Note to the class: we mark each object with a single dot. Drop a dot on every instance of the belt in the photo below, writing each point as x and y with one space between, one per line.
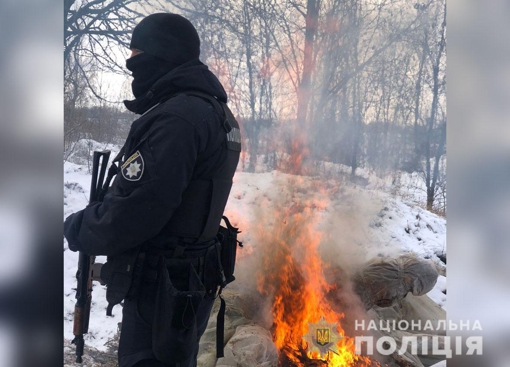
194 253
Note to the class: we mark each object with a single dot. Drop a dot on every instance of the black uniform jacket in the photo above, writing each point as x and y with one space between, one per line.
176 141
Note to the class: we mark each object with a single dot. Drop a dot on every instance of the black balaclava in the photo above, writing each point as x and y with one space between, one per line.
146 70
167 41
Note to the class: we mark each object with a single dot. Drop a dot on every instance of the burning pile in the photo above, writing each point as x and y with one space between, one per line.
295 279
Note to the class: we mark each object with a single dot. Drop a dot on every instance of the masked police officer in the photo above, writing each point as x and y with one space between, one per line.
158 222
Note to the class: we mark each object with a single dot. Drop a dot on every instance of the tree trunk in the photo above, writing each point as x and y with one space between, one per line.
254 136
299 153
417 98
430 198
431 178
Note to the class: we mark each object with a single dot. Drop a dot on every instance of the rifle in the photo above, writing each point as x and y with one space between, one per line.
87 269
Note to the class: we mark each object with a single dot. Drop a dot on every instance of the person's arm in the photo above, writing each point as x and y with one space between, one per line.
144 198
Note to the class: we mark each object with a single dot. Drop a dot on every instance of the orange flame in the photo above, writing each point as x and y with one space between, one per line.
292 276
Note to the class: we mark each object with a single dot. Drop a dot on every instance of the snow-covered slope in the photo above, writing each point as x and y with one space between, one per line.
356 223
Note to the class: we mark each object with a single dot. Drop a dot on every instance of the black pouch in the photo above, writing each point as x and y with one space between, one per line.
180 293
228 239
214 277
118 274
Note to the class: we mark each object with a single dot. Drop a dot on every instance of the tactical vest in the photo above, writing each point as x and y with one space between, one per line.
198 217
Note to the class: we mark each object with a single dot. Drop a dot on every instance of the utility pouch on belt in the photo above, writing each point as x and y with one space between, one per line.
118 274
228 239
219 268
180 292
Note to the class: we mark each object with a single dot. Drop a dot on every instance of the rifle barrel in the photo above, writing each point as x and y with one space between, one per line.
84 280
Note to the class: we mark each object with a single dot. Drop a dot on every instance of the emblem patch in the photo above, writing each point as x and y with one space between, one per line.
322 338
132 168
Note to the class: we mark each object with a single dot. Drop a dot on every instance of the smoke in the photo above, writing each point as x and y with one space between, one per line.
299 219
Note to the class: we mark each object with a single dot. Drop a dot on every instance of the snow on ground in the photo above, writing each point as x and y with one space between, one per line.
358 222
101 328
438 294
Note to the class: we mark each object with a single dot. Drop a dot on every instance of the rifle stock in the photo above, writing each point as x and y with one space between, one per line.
86 262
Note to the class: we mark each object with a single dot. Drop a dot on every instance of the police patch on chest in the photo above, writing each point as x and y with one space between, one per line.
132 168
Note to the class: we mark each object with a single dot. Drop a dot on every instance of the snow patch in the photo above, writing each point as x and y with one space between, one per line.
359 222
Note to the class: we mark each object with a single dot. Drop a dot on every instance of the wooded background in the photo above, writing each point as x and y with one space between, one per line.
356 82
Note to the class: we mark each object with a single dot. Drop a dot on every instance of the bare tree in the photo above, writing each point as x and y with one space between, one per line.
432 174
357 82
95 34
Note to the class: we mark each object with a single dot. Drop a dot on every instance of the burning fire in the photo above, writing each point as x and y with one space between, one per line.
292 275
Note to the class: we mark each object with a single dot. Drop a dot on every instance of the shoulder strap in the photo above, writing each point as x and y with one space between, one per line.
230 124
216 103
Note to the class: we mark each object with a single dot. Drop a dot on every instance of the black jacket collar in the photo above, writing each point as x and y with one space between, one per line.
193 75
